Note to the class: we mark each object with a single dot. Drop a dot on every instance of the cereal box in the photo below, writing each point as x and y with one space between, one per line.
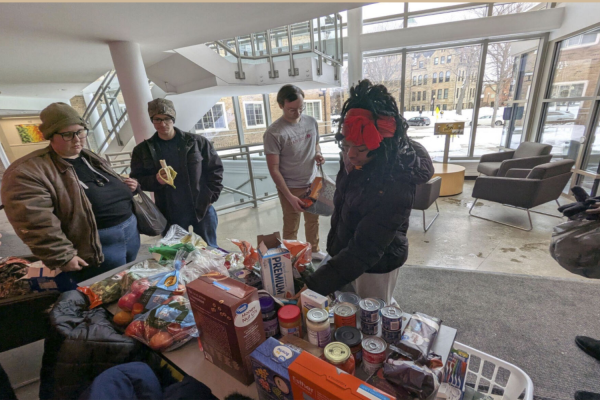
228 316
270 362
316 379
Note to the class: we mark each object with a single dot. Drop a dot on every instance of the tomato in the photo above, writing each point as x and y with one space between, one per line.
140 286
161 341
135 329
126 302
149 332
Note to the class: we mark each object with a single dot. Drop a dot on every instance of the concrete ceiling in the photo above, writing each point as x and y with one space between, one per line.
57 49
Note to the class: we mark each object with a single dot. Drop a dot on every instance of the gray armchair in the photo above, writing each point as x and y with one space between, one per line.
425 196
528 155
524 188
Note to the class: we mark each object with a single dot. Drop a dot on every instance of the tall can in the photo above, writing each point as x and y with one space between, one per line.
373 354
369 310
352 338
317 327
345 315
391 318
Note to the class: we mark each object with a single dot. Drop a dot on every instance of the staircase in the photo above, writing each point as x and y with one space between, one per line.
307 54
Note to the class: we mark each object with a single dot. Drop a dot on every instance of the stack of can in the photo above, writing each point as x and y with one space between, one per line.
369 316
391 324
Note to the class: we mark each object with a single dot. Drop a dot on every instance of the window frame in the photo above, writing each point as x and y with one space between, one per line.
262 107
313 101
222 104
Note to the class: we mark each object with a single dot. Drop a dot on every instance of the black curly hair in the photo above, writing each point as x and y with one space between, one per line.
395 153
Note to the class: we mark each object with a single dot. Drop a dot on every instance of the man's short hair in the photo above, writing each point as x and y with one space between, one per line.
289 93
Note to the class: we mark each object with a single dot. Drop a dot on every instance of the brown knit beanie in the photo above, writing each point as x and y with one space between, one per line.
56 116
161 106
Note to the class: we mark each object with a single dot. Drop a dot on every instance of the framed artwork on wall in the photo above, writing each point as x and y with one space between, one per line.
30 133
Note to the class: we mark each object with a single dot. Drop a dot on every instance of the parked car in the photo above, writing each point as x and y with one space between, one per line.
419 121
557 115
487 120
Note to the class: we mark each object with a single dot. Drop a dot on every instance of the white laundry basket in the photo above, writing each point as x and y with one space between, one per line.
490 375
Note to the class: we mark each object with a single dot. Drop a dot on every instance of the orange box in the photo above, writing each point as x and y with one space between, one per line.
316 379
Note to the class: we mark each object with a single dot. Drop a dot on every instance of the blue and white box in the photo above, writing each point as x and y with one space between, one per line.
275 266
270 362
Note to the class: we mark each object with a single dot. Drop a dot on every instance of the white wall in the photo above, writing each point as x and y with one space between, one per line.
11 141
28 103
577 16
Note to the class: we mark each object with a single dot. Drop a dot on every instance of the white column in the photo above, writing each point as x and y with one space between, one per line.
129 65
355 66
99 134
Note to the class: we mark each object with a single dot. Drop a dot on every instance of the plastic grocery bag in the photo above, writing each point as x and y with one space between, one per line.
202 262
169 252
320 199
110 289
301 253
166 327
575 246
177 235
250 254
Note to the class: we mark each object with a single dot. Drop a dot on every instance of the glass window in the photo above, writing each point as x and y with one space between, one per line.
444 106
592 160
420 79
313 109
447 76
449 59
374 17
414 81
214 119
429 6
413 96
425 79
421 64
439 95
424 95
576 70
564 125
436 61
515 8
413 108
450 16
433 93
434 79
418 96
387 70
445 93
443 60
255 115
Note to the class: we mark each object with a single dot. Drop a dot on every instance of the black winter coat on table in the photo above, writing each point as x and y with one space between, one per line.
370 221
81 344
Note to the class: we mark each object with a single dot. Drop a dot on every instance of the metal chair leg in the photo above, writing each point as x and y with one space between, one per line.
503 223
533 211
426 227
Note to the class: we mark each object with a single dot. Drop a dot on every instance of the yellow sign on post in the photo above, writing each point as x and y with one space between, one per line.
449 128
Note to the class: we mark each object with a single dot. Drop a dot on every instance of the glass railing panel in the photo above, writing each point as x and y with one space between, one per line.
260 44
245 44
301 36
279 41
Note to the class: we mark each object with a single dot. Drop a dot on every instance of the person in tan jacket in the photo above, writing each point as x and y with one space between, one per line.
66 203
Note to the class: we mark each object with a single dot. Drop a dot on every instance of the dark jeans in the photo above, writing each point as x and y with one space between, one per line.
207 227
120 245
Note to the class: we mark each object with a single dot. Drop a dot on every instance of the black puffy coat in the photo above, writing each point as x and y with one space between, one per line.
369 224
81 344
201 167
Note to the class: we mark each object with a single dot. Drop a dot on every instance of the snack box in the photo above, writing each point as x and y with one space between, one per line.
316 379
270 362
42 278
310 300
275 266
229 320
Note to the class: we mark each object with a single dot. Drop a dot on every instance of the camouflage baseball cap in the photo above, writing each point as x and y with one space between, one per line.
161 106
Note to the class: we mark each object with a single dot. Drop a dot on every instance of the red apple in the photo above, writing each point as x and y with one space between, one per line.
135 329
126 302
161 341
149 332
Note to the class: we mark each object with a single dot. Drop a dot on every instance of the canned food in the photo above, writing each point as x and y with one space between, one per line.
374 350
381 301
369 328
348 297
369 310
352 338
345 315
390 336
340 355
369 368
391 318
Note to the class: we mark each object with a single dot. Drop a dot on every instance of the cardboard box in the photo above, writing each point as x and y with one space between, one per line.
301 345
275 266
270 362
316 379
228 316
310 300
41 278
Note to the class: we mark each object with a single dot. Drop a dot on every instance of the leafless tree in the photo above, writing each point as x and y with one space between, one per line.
465 71
498 73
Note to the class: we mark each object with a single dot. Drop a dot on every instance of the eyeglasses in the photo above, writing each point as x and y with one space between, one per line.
298 109
68 136
160 120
